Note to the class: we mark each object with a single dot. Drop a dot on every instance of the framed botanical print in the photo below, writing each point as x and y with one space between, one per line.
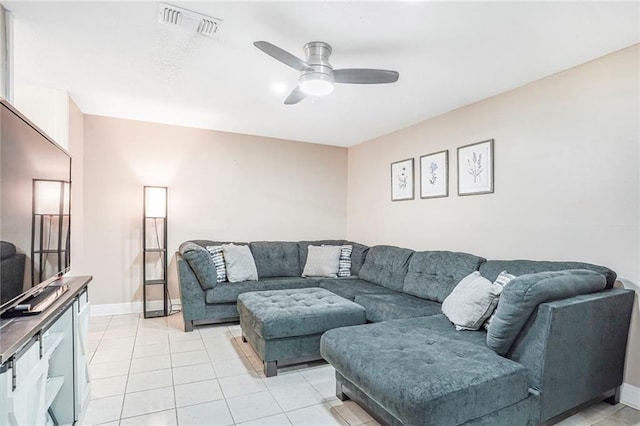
402 180
475 168
434 175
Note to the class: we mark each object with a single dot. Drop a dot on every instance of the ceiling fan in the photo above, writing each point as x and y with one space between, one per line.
317 76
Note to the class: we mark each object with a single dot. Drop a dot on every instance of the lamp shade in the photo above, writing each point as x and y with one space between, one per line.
50 197
155 201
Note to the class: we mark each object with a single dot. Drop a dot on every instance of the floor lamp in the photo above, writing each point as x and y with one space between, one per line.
154 248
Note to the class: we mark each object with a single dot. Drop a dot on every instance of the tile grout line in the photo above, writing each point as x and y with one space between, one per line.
226 403
124 396
173 385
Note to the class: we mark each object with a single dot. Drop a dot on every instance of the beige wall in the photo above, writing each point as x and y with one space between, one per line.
566 177
47 108
221 186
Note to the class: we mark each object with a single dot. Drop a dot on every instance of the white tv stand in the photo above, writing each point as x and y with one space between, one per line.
44 376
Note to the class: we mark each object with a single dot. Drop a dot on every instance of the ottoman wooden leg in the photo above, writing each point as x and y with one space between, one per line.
244 339
339 394
270 368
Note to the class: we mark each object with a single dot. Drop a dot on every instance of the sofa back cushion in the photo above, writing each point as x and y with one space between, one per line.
386 266
523 295
433 275
7 249
492 268
276 258
205 243
199 259
358 256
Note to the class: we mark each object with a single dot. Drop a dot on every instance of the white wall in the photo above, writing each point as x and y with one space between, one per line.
6 55
566 177
76 149
221 186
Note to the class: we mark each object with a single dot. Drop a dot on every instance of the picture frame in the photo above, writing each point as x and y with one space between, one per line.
402 180
475 168
434 175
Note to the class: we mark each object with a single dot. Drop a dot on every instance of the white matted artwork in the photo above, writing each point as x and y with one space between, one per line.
402 180
475 168
434 175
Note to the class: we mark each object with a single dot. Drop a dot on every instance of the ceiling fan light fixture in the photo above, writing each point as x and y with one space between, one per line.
317 76
316 84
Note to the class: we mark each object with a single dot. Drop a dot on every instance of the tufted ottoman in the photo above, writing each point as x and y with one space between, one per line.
284 326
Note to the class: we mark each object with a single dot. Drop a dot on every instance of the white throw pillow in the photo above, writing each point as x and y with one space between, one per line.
239 262
471 302
502 280
322 261
344 267
217 257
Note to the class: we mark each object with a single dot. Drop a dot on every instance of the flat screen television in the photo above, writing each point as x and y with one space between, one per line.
35 186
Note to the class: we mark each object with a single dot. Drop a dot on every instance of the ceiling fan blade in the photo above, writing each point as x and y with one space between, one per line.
282 55
295 96
364 76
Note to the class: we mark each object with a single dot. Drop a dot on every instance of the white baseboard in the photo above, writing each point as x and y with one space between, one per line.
630 395
126 308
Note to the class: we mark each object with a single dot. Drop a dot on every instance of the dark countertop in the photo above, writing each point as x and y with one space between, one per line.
15 332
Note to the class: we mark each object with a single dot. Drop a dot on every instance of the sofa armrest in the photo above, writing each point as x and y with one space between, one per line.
575 348
191 293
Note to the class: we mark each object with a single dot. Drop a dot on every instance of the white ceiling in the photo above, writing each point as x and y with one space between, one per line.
115 59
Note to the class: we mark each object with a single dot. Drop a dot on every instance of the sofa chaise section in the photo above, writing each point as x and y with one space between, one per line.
421 377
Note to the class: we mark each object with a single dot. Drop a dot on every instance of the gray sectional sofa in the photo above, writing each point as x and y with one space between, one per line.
558 339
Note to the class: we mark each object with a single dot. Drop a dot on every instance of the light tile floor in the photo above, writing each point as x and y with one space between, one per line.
150 372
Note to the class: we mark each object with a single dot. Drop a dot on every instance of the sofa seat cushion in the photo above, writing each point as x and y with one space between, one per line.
383 307
350 288
386 266
422 377
297 312
434 274
227 292
441 325
276 258
492 268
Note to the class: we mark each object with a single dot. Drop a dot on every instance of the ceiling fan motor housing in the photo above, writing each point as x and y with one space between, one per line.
319 78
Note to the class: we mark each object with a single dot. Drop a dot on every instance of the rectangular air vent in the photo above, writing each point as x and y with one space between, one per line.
191 21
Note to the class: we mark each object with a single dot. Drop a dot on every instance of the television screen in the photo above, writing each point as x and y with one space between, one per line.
35 181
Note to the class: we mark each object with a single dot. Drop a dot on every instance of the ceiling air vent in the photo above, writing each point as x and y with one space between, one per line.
191 21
